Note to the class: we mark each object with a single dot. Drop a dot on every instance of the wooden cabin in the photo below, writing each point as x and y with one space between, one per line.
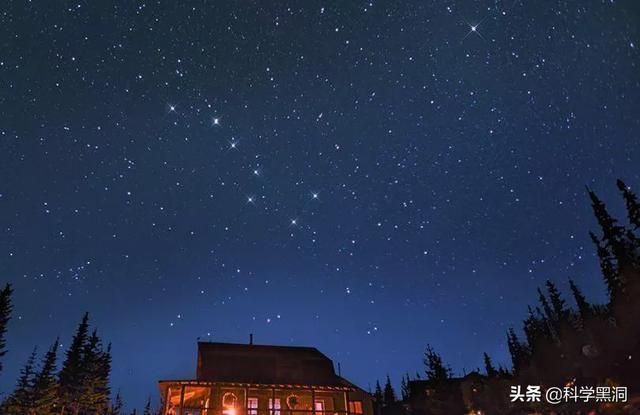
250 379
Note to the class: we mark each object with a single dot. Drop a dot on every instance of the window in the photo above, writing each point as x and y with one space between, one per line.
355 407
274 409
252 406
173 400
229 404
319 405
196 397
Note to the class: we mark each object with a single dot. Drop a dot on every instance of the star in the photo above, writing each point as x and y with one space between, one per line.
473 28
294 222
250 199
216 121
314 195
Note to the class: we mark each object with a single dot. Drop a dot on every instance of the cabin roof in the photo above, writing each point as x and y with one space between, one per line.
264 364
420 384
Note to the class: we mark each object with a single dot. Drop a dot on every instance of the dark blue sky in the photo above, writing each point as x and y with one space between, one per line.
159 163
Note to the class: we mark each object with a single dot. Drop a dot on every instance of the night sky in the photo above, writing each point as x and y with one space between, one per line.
362 177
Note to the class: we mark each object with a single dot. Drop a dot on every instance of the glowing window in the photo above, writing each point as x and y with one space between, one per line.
252 406
229 403
319 405
173 400
274 409
355 407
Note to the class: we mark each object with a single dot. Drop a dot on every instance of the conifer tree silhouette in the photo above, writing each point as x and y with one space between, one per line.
45 394
608 268
147 407
71 375
21 400
488 366
5 315
389 394
117 405
435 367
557 302
519 352
584 308
633 205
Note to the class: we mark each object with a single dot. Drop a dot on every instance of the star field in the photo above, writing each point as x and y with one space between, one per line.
362 177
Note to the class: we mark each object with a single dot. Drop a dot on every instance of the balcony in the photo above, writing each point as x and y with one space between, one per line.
216 399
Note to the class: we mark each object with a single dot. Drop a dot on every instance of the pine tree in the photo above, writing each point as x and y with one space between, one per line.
20 402
547 325
5 315
94 397
488 366
502 371
45 384
71 376
512 343
583 305
615 238
378 395
531 328
90 368
404 387
537 327
389 395
147 407
557 302
519 352
548 311
607 267
435 368
633 205
610 229
117 405
104 373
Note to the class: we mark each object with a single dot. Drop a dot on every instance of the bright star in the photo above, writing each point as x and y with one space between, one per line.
314 195
256 172
473 28
233 145
250 199
216 121
294 222
172 108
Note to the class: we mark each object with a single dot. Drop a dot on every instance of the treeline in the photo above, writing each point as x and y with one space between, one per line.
585 344
80 387
589 344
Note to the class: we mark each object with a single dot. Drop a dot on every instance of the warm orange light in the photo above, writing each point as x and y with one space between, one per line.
229 411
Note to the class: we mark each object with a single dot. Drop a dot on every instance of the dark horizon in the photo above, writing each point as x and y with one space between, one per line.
364 178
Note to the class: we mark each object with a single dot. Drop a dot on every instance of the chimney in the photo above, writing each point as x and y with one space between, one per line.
251 339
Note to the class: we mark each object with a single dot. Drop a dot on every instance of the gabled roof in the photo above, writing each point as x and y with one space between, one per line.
263 364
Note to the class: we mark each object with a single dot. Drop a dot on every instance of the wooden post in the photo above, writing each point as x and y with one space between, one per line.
346 405
313 401
246 401
181 409
273 402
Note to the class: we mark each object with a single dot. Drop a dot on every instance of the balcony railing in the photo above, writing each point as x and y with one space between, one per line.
243 411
